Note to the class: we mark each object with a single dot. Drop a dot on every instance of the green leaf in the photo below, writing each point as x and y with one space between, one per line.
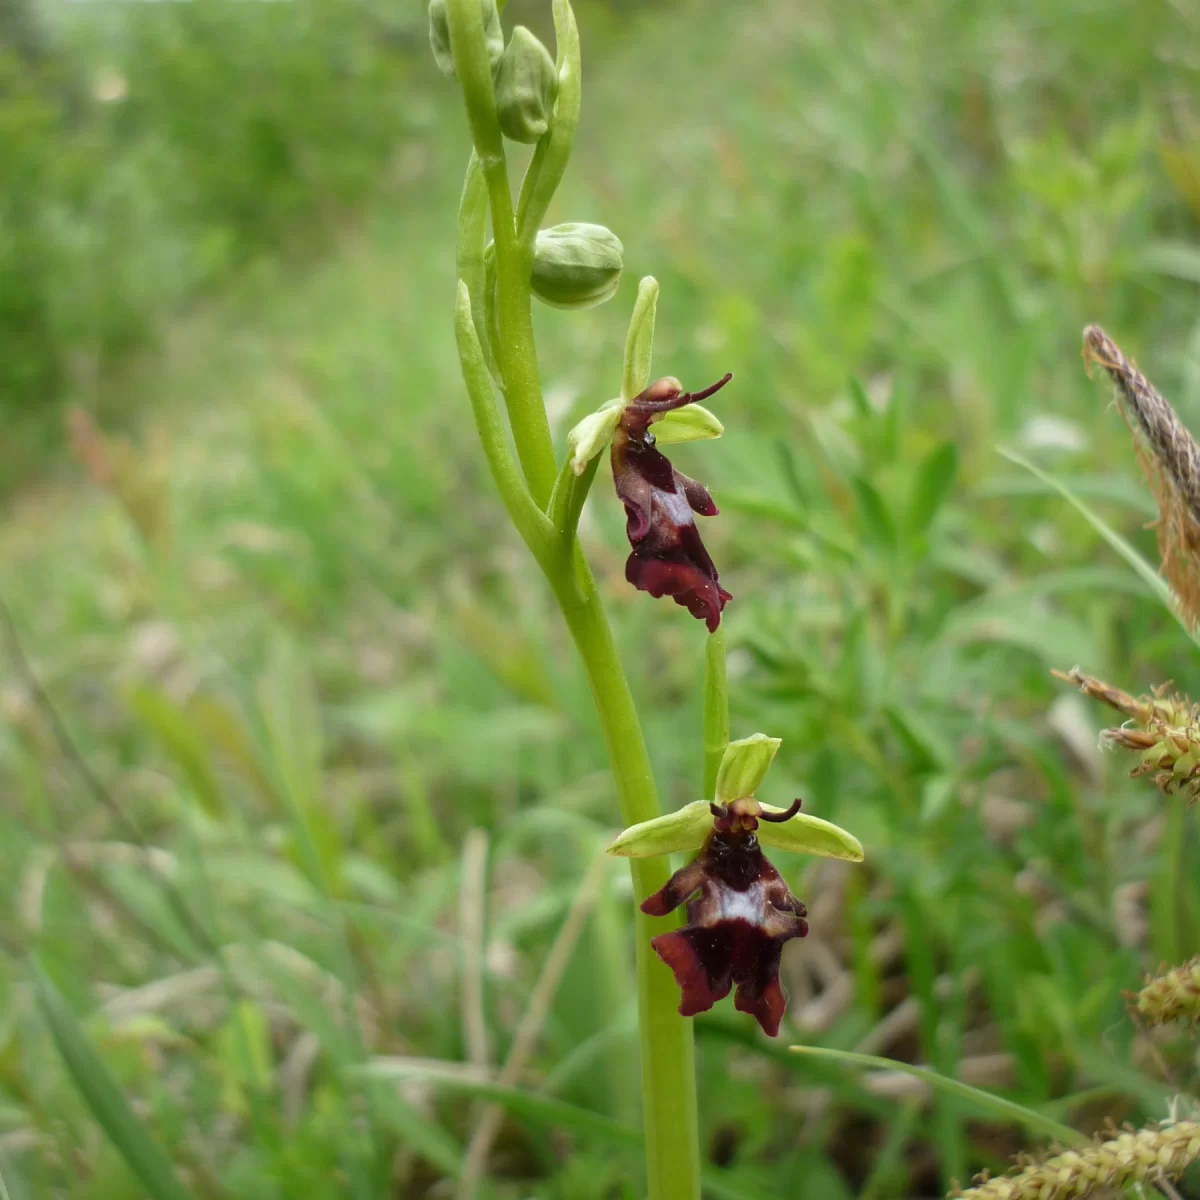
472 239
104 1098
672 833
996 1106
1149 575
860 399
877 523
639 342
934 479
744 766
1180 260
692 423
809 835
182 742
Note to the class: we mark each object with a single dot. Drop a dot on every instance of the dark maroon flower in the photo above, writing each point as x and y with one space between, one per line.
739 917
668 558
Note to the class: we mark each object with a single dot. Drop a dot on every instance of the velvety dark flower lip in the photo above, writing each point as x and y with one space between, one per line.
668 558
740 913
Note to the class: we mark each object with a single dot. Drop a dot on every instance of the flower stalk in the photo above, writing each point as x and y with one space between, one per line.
716 710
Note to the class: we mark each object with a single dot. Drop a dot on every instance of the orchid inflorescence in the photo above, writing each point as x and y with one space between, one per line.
740 912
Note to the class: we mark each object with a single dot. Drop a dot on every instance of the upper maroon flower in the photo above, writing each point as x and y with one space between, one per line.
737 923
668 558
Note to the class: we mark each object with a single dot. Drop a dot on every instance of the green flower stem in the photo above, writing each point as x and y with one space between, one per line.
667 1052
716 710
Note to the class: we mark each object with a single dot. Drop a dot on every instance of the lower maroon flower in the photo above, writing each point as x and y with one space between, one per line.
668 558
740 914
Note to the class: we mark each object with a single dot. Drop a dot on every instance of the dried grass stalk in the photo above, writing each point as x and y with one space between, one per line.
1170 460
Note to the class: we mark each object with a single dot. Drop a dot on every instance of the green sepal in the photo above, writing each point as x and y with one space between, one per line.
687 828
639 341
673 833
744 766
692 423
803 834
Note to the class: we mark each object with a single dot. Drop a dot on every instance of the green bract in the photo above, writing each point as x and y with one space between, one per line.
526 85
744 765
439 34
687 828
577 265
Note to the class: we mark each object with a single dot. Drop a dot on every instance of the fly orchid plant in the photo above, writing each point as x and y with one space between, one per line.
740 911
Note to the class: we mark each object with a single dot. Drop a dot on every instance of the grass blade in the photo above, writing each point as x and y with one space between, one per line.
144 1157
183 742
934 479
1148 574
997 1106
543 1110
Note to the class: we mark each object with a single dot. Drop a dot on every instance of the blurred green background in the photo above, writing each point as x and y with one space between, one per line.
253 555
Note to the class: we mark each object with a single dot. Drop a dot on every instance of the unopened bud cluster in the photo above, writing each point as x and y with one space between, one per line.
576 265
1173 996
1163 730
1135 1156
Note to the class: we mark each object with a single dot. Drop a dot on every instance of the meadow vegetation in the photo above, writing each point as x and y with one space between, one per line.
344 857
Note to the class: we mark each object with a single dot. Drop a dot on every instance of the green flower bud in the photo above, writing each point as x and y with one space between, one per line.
439 34
526 85
745 766
577 265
